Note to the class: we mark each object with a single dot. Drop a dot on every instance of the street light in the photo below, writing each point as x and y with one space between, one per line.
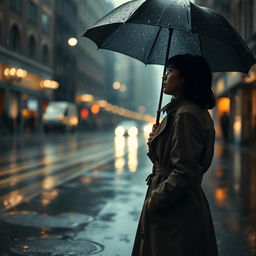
72 41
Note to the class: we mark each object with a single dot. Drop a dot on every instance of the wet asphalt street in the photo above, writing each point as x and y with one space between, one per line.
82 194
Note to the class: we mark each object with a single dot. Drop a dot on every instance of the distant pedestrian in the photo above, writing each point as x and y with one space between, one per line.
19 122
5 122
224 121
176 218
32 122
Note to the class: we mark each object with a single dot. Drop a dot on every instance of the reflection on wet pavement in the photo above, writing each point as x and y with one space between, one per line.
111 191
33 219
230 184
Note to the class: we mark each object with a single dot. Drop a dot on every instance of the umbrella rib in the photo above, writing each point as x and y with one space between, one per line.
152 47
199 39
107 38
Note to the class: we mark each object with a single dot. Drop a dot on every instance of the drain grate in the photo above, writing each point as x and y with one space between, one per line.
56 247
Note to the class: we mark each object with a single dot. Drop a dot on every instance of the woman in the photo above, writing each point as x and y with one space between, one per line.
176 218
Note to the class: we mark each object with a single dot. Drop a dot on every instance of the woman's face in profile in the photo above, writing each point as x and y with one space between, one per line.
172 82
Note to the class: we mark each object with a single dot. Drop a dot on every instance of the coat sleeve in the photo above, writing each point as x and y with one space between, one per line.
187 145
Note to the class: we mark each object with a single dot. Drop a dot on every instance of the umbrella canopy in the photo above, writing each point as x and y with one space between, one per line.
142 28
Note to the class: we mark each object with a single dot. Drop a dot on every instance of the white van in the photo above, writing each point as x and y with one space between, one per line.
60 115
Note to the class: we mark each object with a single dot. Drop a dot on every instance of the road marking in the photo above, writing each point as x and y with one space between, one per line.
44 171
18 196
12 159
62 156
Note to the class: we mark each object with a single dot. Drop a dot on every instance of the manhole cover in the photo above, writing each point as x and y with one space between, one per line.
33 219
56 247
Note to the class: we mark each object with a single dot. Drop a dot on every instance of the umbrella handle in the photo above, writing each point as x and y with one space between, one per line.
161 93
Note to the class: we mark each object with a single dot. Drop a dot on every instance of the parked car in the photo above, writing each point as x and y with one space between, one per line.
60 115
127 128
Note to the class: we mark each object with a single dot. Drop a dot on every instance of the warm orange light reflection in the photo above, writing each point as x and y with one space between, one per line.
49 84
223 105
221 195
25 113
13 198
74 120
95 109
48 182
220 86
116 109
48 196
237 125
86 98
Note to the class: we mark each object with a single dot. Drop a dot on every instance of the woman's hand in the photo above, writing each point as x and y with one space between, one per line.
152 133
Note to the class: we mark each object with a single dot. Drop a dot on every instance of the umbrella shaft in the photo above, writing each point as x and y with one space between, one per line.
165 66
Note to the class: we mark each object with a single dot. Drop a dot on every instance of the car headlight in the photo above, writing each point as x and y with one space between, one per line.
119 131
133 131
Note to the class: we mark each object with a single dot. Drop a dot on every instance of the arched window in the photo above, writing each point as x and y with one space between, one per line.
14 39
32 47
45 55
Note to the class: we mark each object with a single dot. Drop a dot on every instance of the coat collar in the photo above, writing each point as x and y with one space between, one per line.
174 104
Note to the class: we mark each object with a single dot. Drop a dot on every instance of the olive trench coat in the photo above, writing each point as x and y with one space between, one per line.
178 221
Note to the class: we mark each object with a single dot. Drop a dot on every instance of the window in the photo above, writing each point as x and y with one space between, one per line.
32 12
16 5
32 47
45 22
14 39
45 55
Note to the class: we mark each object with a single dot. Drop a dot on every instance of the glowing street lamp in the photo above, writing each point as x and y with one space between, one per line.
72 41
116 85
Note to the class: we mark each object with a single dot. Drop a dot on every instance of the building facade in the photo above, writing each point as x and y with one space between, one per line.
26 61
235 114
66 55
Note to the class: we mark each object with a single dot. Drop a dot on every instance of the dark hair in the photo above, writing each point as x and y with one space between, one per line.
198 78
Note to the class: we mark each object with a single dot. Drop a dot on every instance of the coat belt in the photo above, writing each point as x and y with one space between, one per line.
164 171
158 170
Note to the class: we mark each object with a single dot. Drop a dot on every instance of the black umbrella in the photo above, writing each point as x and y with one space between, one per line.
154 30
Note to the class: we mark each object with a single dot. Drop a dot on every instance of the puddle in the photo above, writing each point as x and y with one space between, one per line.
33 219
